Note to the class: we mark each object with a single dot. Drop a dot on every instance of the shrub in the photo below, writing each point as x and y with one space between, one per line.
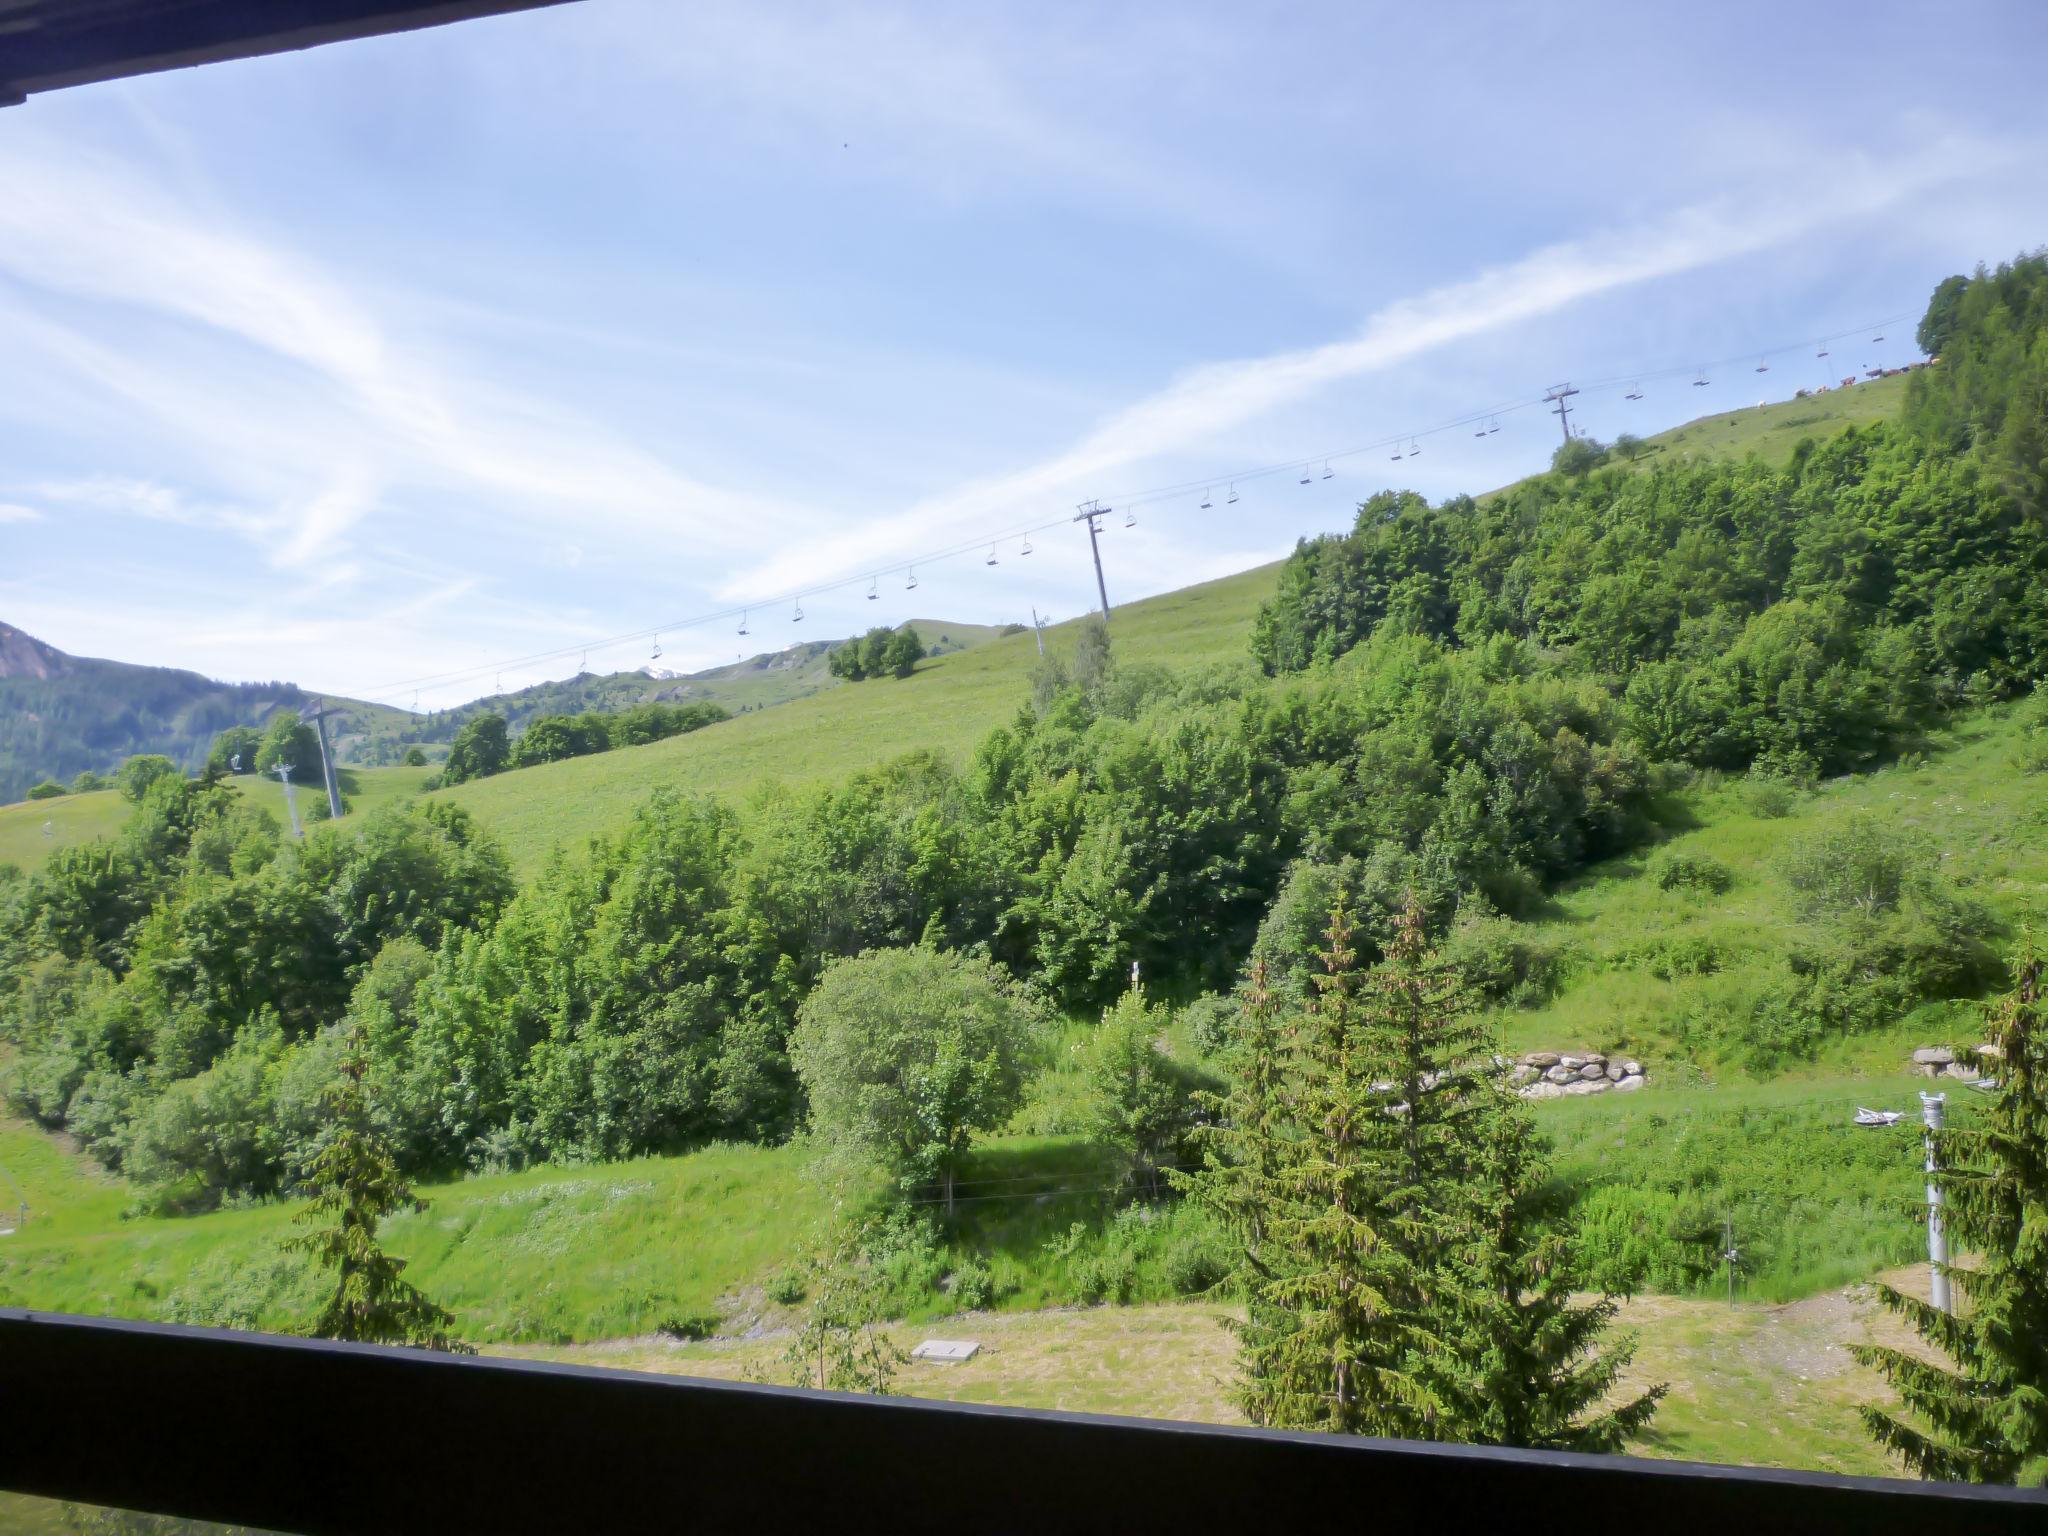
1769 796
690 1326
1498 958
49 789
1195 1262
973 1287
1675 870
787 1286
1211 1022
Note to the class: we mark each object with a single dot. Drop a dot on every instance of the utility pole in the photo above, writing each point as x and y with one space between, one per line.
1038 629
291 804
1089 513
318 715
1931 1107
1558 396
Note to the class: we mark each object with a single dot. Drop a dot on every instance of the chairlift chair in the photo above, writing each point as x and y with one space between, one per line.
1493 426
1024 548
1823 352
743 621
1233 493
1304 474
1876 339
1396 456
1635 392
1327 471
1130 518
874 589
1208 501
657 649
991 560
1762 366
798 616
1701 381
911 585
1414 449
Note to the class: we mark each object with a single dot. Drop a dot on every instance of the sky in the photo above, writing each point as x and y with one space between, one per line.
421 367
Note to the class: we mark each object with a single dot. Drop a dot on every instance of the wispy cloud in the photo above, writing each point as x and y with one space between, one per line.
14 512
1206 402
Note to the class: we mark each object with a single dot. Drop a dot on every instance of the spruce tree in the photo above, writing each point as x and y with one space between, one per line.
1532 1372
356 1184
1986 1419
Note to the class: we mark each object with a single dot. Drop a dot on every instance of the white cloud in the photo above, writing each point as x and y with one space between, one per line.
14 512
1205 402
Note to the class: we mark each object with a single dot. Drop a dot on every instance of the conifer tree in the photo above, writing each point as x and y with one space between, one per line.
1533 1373
356 1184
1986 1419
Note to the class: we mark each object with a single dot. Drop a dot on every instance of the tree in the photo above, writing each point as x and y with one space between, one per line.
356 1184
288 742
49 789
1630 447
1985 1419
235 750
138 773
414 758
906 1053
839 1345
1536 1375
905 651
479 750
1141 1101
1944 309
1578 457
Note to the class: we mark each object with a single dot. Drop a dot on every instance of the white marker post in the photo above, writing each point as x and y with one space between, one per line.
1931 1106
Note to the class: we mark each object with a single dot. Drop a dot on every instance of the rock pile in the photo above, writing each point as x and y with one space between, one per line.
1562 1074
1940 1061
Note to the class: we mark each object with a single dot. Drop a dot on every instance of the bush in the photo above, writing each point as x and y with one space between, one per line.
1769 796
1211 1022
689 1326
1675 870
973 1287
787 1286
49 789
1498 958
1196 1262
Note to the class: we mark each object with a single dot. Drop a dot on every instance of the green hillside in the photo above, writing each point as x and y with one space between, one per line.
948 705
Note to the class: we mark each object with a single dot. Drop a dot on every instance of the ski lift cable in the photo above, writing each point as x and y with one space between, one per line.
1145 497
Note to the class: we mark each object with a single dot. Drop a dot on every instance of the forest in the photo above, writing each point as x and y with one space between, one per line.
1447 711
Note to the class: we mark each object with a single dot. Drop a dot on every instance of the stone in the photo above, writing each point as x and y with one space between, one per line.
1593 1072
1958 1070
1616 1071
1568 1059
1542 1091
1595 1059
946 1351
1587 1086
1631 1083
1560 1074
1989 1052
1540 1059
1933 1056
1632 1068
1523 1075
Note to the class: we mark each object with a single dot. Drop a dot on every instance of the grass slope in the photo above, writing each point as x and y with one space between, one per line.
947 705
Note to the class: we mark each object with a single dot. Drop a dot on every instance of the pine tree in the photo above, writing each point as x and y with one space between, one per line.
1986 1420
356 1184
1532 1371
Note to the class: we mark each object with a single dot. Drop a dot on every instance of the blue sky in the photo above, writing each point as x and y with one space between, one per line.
397 360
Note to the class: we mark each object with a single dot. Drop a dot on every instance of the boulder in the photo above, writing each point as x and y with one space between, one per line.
1541 1091
1523 1075
1540 1059
1631 1083
1933 1056
1989 1052
1632 1068
1616 1071
1569 1059
1595 1059
1560 1074
1958 1070
1593 1072
1588 1085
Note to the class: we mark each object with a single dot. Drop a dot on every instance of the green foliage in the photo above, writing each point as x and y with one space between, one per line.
235 750
904 1054
1578 458
551 738
1984 1418
1676 870
839 1345
1142 1100
289 742
355 1185
139 773
49 789
479 750
86 782
881 652
414 758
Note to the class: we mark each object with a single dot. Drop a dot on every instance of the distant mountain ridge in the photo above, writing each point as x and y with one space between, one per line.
61 715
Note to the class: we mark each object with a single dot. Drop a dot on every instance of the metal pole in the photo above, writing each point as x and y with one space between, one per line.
1091 512
284 774
1038 629
327 765
1560 395
1931 1107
